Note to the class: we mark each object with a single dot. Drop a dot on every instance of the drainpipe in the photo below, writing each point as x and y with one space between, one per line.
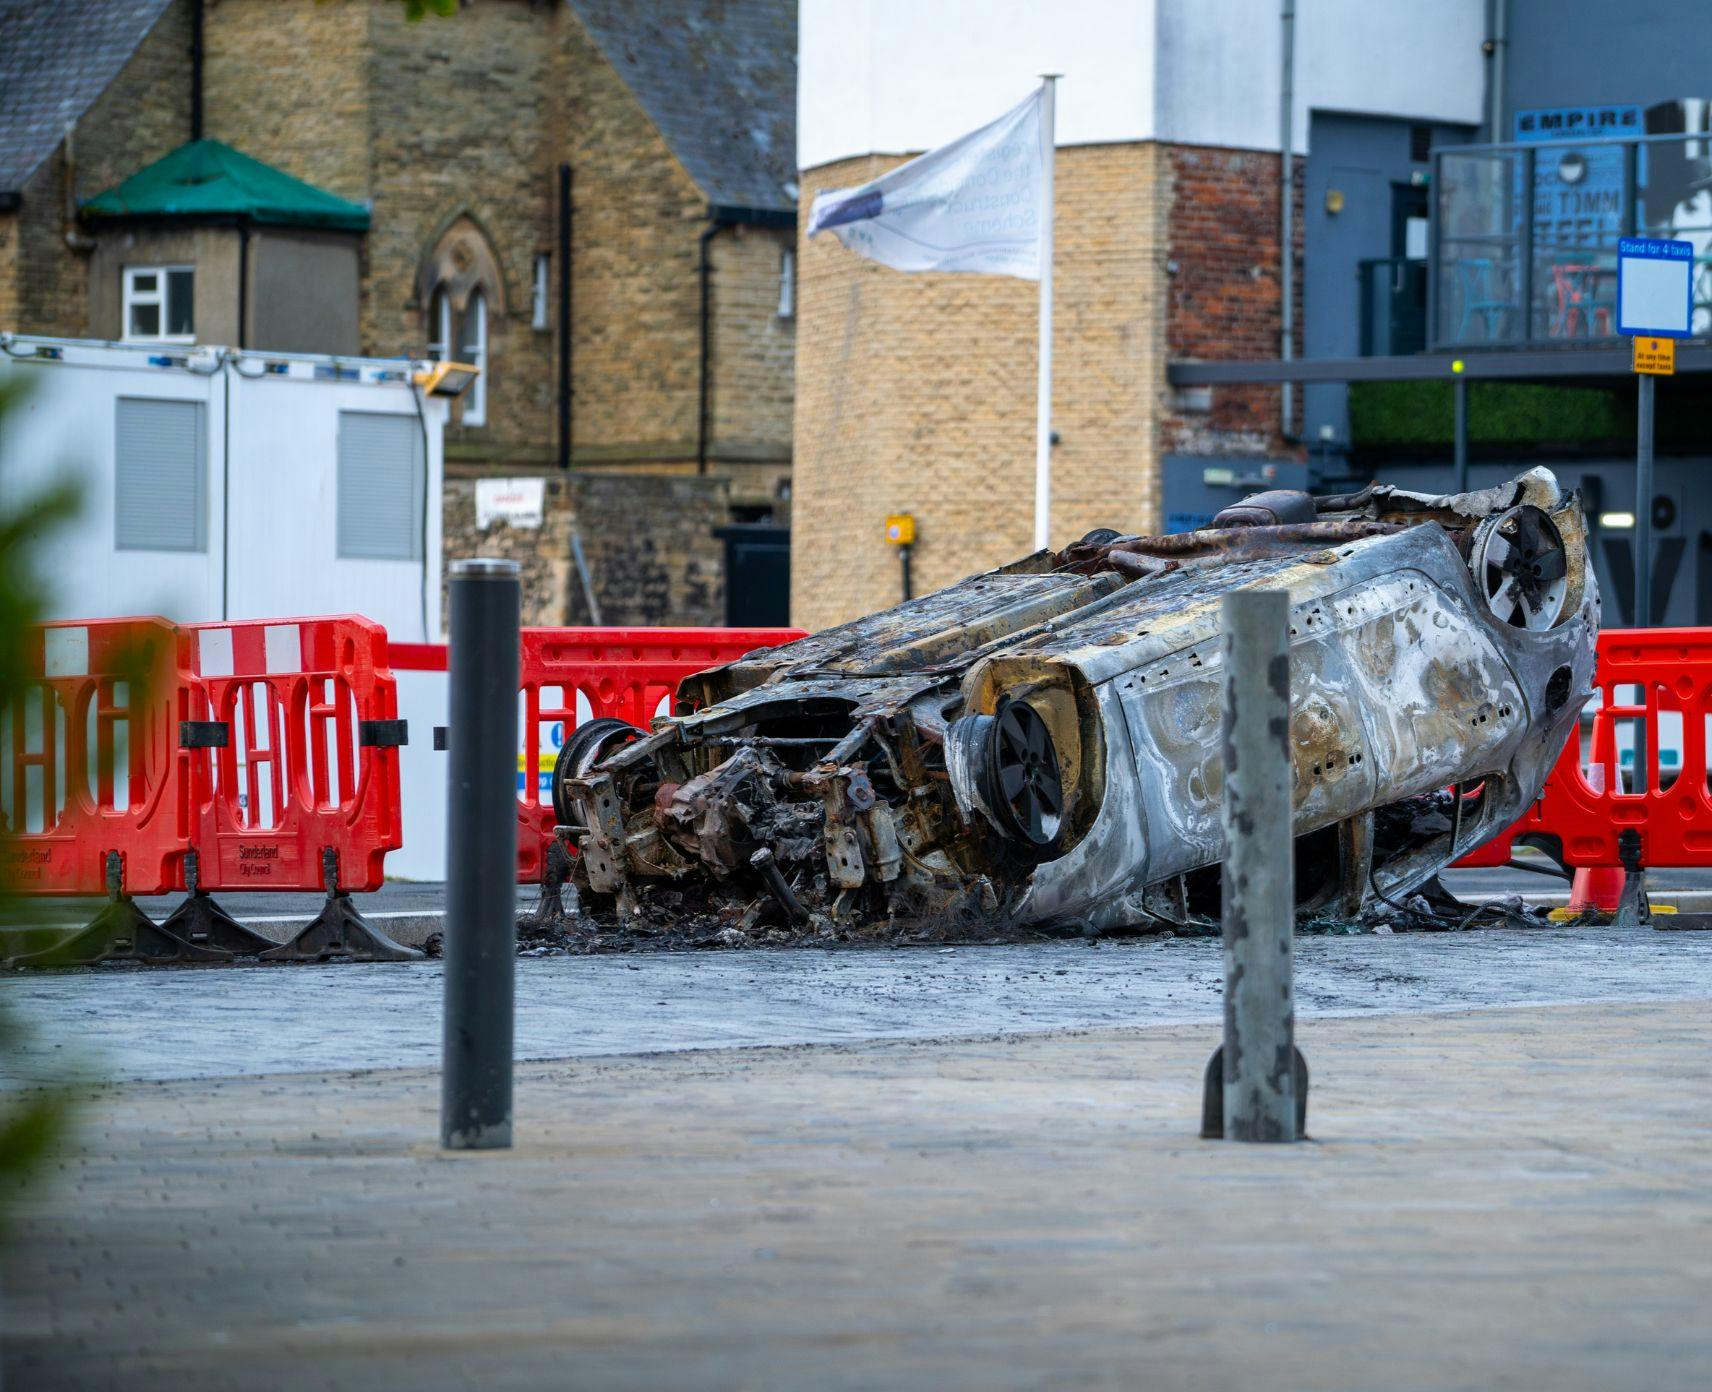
565 317
243 284
1287 212
196 69
1498 47
77 240
705 269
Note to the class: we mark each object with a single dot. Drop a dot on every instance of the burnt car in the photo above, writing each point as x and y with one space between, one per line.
1040 744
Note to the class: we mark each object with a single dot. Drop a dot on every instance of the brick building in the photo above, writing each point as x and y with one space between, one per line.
915 393
675 121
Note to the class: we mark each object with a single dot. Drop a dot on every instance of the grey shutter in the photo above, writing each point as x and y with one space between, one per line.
160 466
380 487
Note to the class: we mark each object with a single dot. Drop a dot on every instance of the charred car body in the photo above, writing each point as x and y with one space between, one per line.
1040 744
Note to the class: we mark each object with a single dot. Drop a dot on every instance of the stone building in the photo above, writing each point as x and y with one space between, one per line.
916 393
441 146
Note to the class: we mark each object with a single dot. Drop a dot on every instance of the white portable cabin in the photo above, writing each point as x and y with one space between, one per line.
226 484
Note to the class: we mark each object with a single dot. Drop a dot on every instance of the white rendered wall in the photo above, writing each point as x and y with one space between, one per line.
1219 65
893 76
423 699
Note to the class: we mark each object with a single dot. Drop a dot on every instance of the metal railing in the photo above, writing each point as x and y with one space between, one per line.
1523 239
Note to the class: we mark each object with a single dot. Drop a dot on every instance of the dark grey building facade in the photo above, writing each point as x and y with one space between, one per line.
1472 241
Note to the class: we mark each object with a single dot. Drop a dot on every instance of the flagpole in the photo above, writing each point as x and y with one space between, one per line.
1043 402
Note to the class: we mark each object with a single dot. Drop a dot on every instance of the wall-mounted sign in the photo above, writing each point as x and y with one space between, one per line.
1578 122
517 501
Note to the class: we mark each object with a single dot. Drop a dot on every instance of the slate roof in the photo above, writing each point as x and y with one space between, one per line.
717 77
208 179
719 80
56 58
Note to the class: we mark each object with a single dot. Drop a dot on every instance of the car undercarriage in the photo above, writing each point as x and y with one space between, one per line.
1039 744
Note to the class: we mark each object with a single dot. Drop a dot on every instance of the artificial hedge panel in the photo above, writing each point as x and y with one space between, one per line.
1522 416
1422 414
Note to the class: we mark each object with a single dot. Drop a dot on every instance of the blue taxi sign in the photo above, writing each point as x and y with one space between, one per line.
1655 287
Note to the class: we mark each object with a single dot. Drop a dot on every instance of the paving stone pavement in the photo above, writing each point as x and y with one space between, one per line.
120 1022
1506 1198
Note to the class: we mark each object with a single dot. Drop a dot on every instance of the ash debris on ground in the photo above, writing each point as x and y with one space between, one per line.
663 922
559 927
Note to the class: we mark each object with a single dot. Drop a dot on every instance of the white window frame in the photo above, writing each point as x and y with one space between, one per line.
440 326
474 352
540 315
132 297
787 282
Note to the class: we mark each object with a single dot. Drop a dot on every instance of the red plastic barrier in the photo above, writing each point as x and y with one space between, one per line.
91 759
310 762
1673 669
622 672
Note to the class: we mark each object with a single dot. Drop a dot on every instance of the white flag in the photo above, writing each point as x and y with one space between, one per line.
972 205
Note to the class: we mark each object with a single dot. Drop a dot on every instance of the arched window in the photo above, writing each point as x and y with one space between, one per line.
462 295
474 352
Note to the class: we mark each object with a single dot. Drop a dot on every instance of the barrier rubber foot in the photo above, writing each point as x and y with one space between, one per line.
121 932
339 930
201 921
1213 1097
1632 907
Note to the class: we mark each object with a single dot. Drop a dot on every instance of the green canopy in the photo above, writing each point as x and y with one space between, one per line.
208 179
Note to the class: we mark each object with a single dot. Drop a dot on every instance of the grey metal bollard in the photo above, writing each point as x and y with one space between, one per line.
1259 1069
481 859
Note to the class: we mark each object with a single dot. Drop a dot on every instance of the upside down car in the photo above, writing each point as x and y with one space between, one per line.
1039 744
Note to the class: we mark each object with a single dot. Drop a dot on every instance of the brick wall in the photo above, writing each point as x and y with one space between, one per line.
753 344
651 549
649 542
142 116
8 270
636 320
751 390
471 117
288 83
481 91
916 393
1224 295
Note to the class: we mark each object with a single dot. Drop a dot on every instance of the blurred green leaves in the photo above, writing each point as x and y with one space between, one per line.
417 9
30 1122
